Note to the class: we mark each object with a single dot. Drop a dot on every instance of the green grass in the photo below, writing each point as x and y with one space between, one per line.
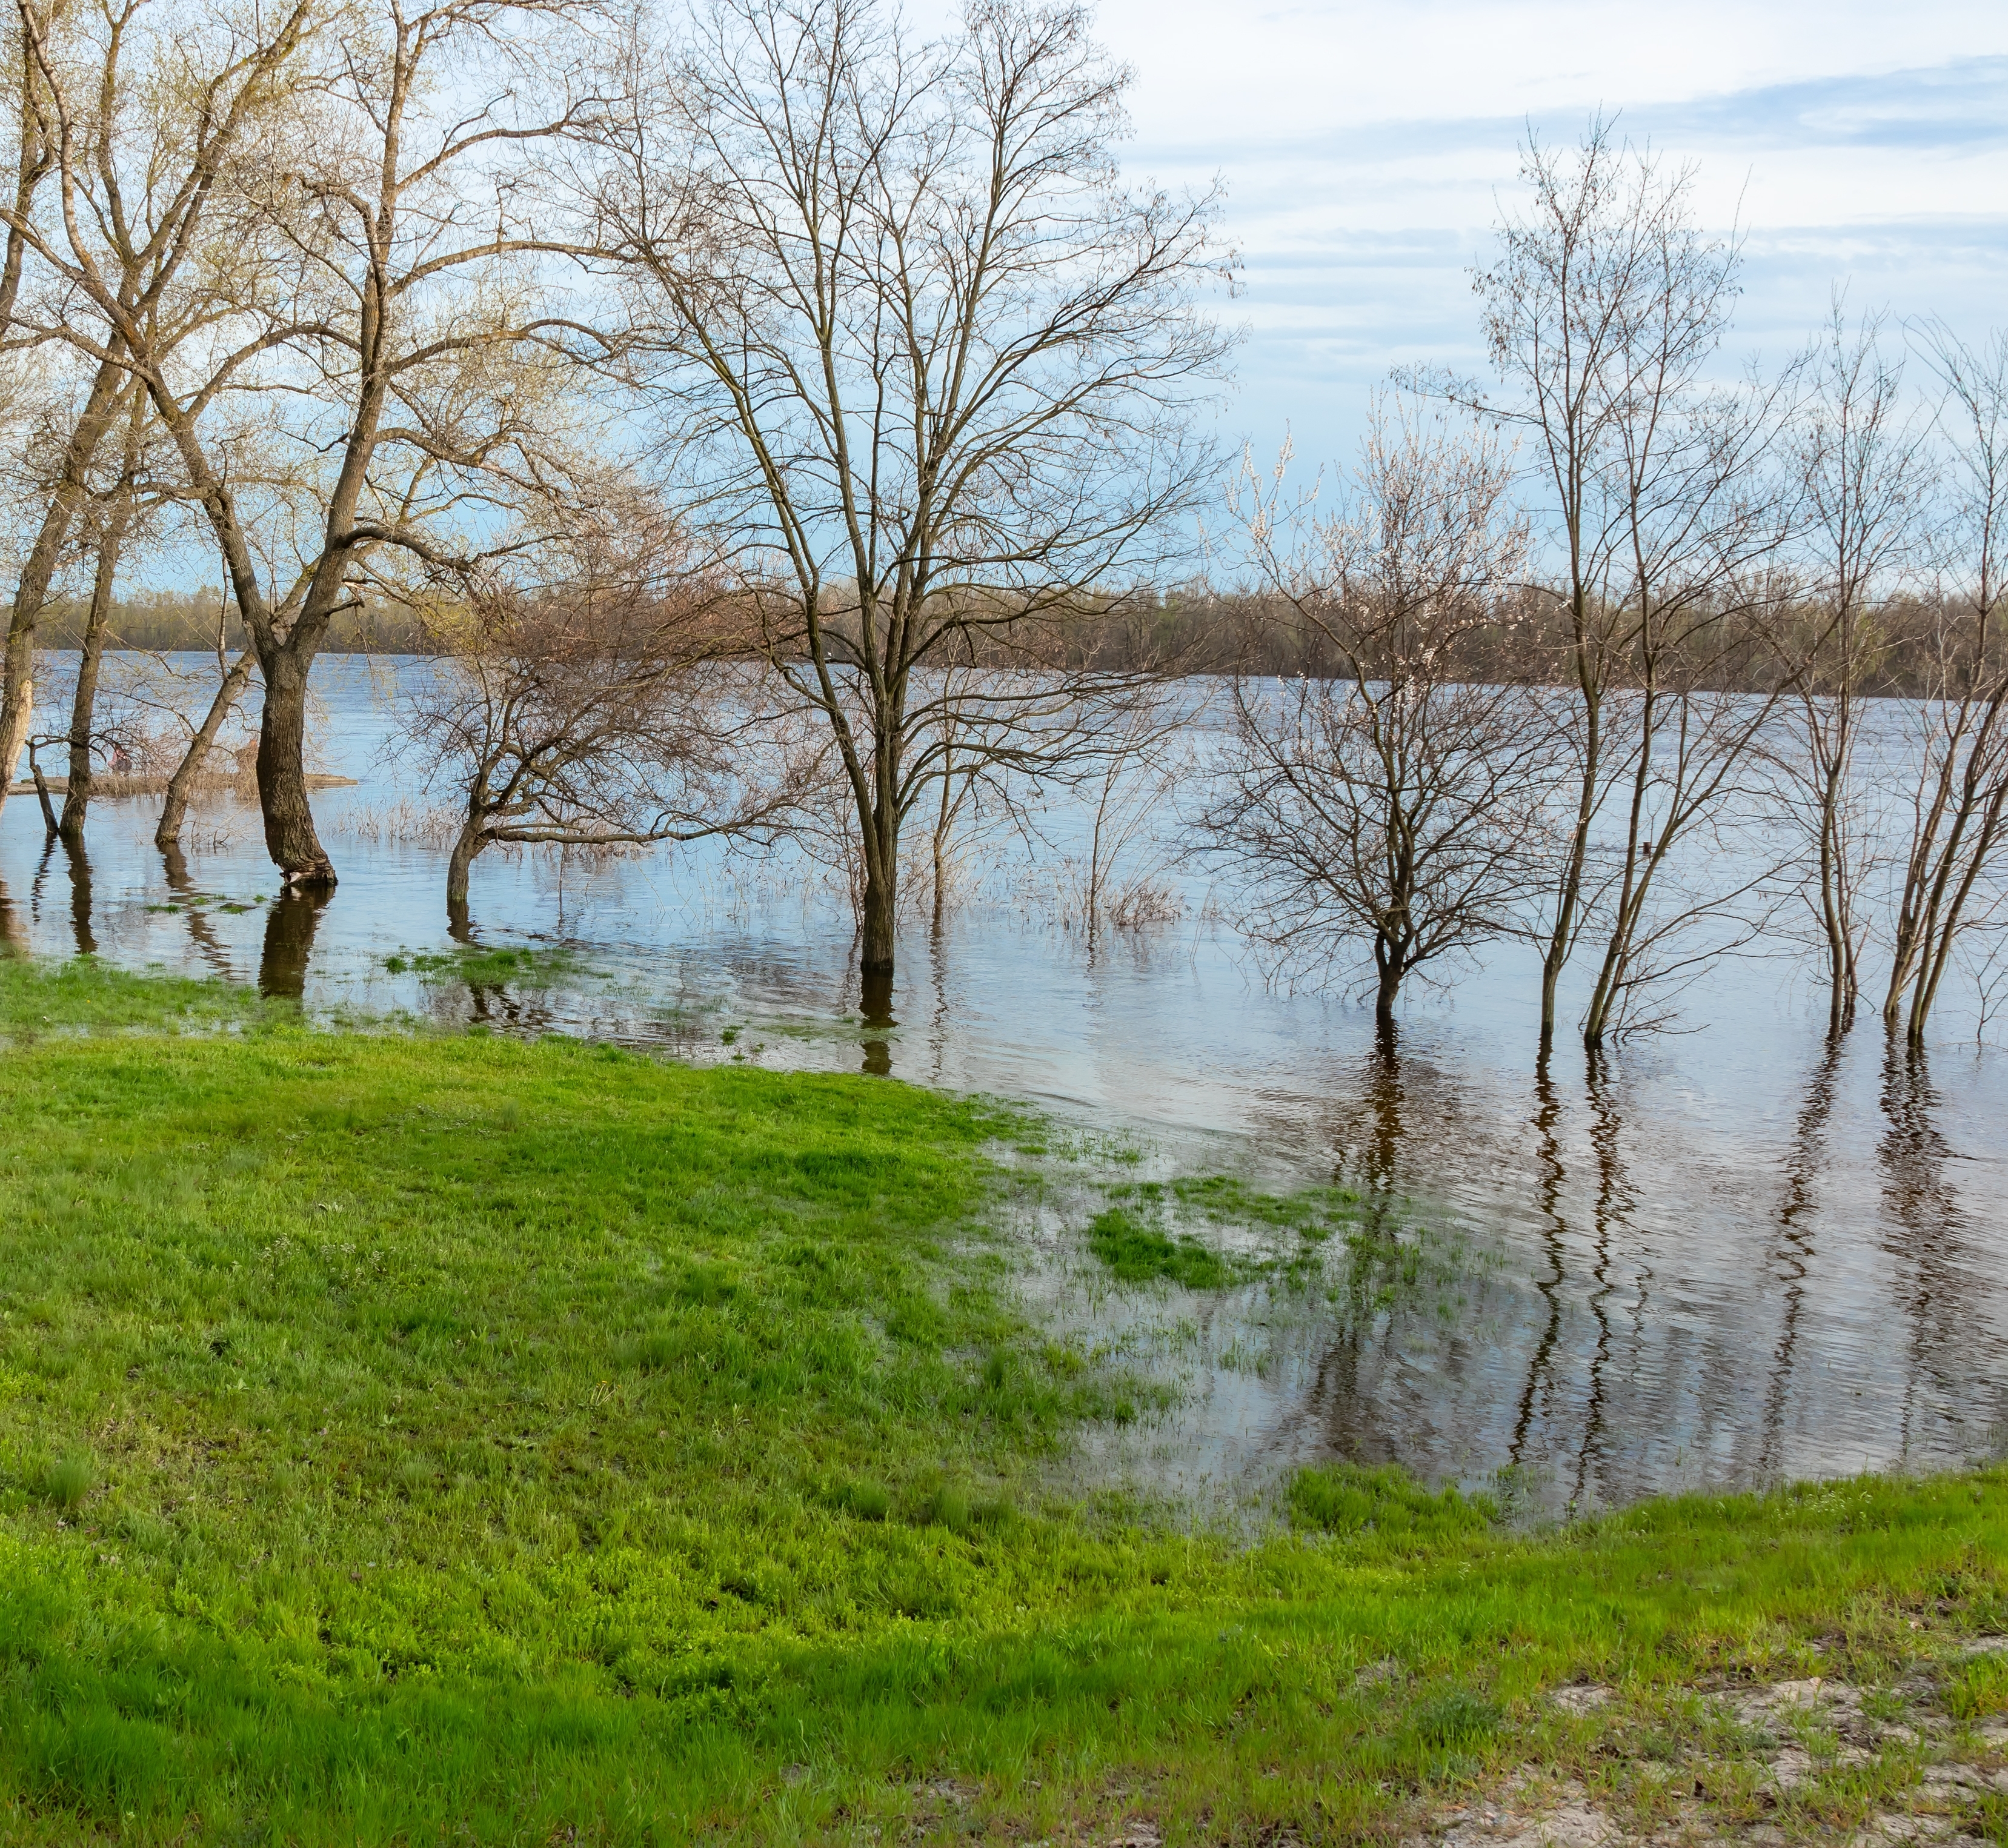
479 964
1135 1251
416 1438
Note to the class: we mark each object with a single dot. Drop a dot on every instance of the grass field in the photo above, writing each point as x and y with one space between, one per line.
422 1438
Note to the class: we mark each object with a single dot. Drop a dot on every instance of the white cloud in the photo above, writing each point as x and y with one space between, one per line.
1364 147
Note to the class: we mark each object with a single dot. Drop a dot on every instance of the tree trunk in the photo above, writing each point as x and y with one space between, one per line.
181 786
459 926
1384 998
31 592
83 707
290 838
15 724
878 921
1562 939
42 792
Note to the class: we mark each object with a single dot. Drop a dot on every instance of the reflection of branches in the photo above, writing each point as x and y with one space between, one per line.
175 863
13 927
1804 1166
1613 1207
1554 1237
1913 1154
290 925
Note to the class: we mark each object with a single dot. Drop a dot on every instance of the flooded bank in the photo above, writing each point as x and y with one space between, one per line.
1718 1257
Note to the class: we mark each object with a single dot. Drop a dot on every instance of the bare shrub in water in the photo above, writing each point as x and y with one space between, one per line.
601 707
1393 814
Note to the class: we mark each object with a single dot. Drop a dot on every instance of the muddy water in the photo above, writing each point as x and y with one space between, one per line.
1726 1255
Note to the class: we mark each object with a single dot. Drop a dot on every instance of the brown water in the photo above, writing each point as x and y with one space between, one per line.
1721 1257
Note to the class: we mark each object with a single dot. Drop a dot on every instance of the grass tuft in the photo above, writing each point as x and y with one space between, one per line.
64 1482
1348 1499
1136 1252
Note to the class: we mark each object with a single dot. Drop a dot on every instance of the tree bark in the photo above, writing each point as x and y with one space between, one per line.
458 923
290 838
1562 939
1384 998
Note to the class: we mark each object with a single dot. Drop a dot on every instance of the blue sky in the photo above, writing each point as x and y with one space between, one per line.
1366 147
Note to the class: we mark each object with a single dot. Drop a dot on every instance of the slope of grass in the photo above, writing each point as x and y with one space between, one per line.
411 1438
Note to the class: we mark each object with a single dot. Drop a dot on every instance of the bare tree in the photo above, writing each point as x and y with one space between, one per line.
1959 808
115 514
1864 473
1704 517
1603 304
1395 808
935 362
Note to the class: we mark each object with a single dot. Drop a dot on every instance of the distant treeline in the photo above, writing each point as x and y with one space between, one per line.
1192 632
166 621
1902 652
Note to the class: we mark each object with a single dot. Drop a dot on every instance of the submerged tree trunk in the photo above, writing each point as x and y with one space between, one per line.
31 591
1389 986
83 706
877 912
472 840
1561 939
181 786
290 837
1836 920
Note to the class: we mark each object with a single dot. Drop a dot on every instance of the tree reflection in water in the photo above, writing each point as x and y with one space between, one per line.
202 934
1792 1255
290 924
1928 1223
1719 1259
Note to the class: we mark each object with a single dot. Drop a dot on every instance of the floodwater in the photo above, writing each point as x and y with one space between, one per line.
1728 1255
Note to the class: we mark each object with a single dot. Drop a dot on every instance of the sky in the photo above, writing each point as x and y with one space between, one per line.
1367 146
